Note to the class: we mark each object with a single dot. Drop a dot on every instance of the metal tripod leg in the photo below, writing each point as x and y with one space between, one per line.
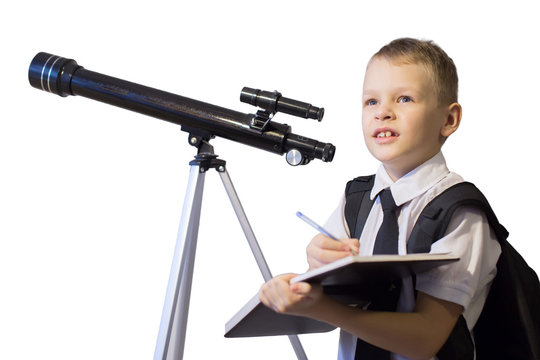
255 248
172 331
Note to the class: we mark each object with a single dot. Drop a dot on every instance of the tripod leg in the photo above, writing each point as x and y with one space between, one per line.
255 248
172 330
244 223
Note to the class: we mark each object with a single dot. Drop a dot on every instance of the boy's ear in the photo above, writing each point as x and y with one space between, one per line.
453 119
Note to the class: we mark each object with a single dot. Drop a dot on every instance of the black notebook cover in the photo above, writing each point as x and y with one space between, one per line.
351 280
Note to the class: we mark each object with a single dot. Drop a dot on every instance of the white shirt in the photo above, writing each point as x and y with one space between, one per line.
468 236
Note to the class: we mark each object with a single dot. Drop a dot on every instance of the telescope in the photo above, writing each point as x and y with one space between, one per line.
201 120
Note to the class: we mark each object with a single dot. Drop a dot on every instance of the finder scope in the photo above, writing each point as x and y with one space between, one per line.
274 102
65 77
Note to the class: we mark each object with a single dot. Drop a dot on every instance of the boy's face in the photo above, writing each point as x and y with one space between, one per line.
402 120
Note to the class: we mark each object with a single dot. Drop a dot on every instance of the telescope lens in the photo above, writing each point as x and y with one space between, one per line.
52 73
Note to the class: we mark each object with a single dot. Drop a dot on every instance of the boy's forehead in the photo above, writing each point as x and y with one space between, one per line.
396 73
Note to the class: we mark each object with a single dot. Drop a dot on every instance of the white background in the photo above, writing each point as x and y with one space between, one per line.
91 195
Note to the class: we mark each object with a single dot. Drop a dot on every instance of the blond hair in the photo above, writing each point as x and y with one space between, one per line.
429 54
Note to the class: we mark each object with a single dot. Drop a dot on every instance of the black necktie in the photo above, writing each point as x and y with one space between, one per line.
386 242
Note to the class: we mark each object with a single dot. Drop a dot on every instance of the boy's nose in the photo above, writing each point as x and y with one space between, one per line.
384 113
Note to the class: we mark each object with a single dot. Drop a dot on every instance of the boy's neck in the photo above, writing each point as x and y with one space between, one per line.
395 172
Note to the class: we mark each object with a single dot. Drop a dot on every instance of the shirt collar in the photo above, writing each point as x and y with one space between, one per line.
414 183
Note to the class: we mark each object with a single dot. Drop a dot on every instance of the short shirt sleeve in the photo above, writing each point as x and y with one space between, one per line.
336 223
466 281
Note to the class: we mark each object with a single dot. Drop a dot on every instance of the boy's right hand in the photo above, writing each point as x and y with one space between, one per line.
323 250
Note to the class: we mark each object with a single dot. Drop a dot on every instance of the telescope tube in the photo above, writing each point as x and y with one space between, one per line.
65 77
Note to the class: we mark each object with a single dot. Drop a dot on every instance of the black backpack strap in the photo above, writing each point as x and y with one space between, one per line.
434 219
358 203
430 227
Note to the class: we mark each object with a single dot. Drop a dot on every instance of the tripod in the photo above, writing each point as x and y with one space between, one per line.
172 330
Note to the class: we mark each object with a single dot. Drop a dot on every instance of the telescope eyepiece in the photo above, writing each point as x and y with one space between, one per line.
52 73
274 102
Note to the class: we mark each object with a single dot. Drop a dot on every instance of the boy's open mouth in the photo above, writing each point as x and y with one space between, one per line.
385 133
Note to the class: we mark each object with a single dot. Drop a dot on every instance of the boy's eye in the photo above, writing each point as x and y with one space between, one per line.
404 99
371 102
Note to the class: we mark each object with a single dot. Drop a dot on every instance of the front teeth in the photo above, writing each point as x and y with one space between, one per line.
384 134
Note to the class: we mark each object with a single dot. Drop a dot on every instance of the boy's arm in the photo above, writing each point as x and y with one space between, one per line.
416 335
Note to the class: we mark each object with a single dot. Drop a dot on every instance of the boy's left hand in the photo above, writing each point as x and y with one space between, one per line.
295 299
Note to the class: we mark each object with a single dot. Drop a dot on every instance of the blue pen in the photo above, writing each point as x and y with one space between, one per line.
319 228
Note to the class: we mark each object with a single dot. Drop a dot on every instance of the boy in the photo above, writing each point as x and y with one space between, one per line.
409 110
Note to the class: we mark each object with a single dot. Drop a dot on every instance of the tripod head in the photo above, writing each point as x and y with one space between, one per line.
65 77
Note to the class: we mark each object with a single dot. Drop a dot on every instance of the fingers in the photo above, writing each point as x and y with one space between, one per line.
323 250
286 277
324 242
297 298
276 293
353 244
301 288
